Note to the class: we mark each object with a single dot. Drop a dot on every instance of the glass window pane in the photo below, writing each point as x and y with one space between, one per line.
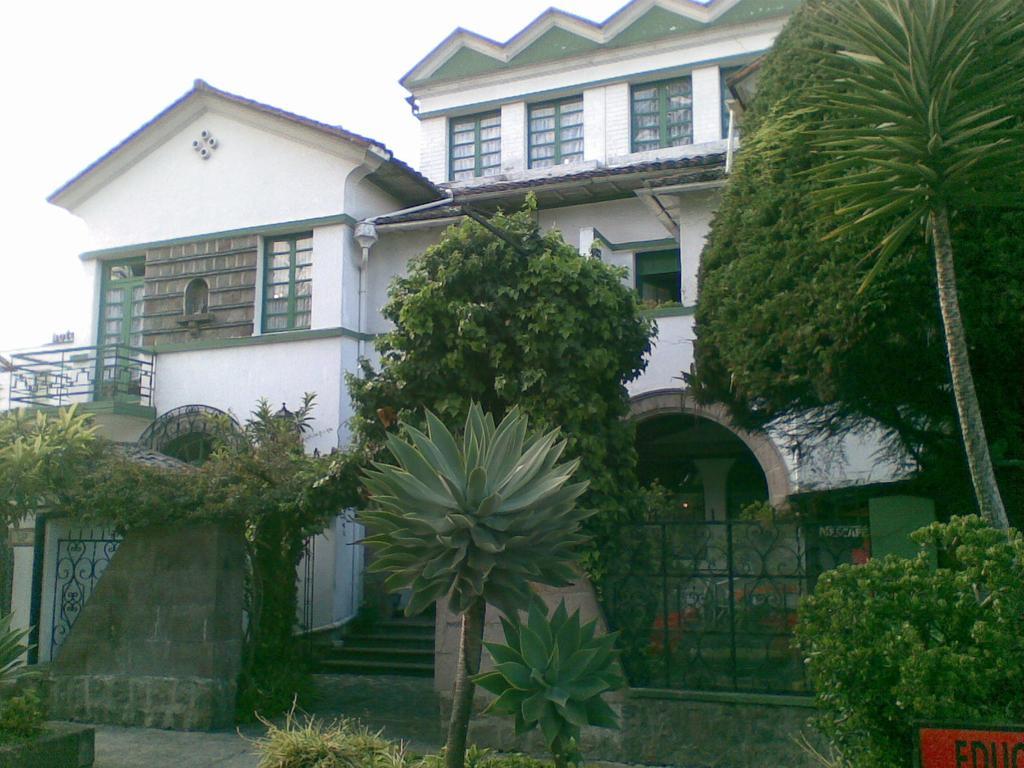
302 320
463 151
304 244
280 246
279 261
304 289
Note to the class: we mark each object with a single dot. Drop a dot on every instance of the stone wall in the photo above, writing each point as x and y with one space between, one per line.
228 265
159 643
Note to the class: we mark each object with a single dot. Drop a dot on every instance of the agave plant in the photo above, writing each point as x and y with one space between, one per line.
12 647
475 523
552 673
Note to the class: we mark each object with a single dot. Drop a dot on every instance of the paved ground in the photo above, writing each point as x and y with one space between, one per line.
406 708
149 748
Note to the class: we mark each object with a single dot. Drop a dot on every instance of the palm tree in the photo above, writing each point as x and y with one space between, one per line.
475 523
922 117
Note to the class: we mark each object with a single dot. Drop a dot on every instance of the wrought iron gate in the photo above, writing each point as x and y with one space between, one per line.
723 599
82 557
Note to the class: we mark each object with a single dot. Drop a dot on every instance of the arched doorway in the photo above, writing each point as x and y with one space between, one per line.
712 467
186 433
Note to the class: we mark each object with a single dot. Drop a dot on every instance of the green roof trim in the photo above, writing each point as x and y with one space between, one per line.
557 43
554 44
466 62
656 24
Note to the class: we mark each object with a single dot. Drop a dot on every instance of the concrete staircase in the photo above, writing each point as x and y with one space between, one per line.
397 646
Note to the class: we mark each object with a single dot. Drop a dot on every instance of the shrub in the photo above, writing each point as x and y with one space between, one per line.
897 641
21 717
312 743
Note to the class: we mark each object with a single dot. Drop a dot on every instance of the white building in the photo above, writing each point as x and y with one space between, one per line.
225 265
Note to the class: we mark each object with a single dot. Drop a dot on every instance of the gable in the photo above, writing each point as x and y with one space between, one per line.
656 24
466 62
465 54
554 44
253 176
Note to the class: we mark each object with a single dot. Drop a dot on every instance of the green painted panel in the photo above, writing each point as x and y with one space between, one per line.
748 11
554 44
893 519
465 63
656 24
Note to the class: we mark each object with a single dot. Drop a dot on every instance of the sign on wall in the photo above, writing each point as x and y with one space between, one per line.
971 747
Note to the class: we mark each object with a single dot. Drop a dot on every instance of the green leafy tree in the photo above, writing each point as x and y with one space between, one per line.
522 321
926 120
897 641
787 325
475 523
551 673
39 455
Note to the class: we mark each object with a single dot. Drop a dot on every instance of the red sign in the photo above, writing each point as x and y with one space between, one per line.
969 747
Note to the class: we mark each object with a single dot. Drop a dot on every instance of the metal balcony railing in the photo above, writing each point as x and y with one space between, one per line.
62 377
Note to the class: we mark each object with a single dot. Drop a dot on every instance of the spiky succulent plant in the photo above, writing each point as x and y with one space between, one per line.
552 673
480 520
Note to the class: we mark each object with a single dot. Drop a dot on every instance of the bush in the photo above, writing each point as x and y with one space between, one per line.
308 742
313 743
897 641
21 717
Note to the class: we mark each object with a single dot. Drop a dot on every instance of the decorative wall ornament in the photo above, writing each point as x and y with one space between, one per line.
205 145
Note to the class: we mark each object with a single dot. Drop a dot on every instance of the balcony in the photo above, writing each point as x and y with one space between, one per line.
115 379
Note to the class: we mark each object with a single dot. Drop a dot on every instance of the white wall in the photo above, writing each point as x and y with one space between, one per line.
235 378
253 177
671 354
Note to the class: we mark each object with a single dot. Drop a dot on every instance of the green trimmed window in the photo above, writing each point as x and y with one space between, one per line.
724 73
121 303
658 276
287 283
556 133
662 114
475 144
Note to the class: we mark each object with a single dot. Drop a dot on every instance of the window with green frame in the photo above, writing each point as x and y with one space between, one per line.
475 146
556 133
724 73
658 276
662 114
287 282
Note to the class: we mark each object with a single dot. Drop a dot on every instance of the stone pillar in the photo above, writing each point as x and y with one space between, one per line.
714 474
159 643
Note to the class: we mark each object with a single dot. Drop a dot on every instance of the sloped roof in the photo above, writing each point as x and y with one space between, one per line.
556 35
588 186
394 175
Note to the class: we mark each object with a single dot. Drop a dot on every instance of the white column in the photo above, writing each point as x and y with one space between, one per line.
513 137
707 105
594 127
328 262
714 474
617 120
434 148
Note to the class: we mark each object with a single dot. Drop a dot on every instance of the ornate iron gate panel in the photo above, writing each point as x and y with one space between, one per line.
82 558
725 598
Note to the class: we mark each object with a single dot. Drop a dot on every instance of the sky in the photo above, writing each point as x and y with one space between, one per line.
78 77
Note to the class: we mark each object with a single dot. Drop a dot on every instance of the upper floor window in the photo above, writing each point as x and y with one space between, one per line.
287 283
658 276
724 73
556 133
662 114
475 146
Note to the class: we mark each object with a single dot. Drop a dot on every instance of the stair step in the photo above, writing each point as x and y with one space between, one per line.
359 667
405 626
382 655
385 641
